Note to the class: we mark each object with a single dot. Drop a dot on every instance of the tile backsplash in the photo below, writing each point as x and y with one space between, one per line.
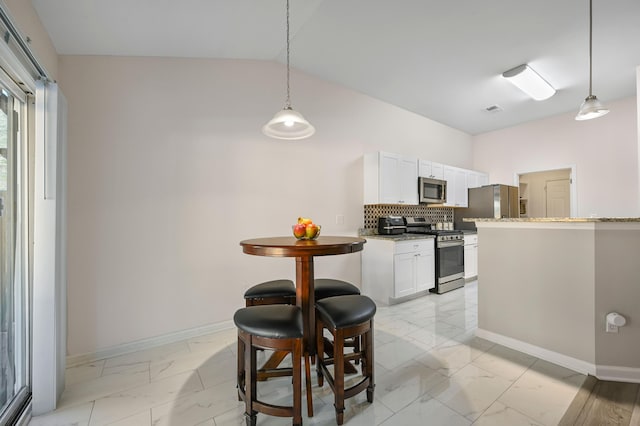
433 214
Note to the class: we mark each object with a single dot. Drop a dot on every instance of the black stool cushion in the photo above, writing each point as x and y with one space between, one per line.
346 311
275 288
327 287
271 321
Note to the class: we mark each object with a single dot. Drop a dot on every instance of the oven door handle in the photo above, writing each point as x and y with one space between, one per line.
445 244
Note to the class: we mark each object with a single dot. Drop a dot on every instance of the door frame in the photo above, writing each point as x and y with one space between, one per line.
573 183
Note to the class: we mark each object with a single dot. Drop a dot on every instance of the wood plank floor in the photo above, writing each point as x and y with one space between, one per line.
601 402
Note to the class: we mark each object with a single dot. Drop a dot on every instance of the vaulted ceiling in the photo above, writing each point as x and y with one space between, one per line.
440 59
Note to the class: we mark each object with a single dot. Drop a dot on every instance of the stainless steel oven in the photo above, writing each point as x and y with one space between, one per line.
449 245
449 261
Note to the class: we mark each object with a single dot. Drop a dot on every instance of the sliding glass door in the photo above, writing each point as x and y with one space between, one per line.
14 296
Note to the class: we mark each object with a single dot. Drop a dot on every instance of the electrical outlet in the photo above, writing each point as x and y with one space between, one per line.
339 219
610 328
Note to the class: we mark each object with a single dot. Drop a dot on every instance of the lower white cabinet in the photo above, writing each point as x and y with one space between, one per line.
470 256
393 271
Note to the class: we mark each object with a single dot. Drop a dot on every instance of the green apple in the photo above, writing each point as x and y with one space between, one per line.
312 230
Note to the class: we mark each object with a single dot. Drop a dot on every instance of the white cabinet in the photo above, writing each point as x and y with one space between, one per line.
425 269
477 179
456 186
459 181
390 179
430 169
393 179
396 271
470 256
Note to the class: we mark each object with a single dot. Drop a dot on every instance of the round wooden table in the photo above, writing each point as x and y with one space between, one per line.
304 251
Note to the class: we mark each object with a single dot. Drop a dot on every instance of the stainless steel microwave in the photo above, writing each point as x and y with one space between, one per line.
432 191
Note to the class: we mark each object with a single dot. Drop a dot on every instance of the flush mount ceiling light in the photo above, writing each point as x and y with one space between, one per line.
288 123
591 106
530 82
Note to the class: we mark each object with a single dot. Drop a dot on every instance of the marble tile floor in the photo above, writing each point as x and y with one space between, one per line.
429 365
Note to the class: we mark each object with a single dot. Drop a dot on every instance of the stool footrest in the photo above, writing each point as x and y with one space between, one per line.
273 410
357 388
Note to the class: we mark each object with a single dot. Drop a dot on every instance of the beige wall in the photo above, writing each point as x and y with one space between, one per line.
604 151
168 171
618 290
551 285
537 286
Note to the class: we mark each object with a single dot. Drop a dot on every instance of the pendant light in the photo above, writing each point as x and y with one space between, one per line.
591 107
288 123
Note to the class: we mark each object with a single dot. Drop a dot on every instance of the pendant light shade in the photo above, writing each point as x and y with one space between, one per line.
591 107
288 123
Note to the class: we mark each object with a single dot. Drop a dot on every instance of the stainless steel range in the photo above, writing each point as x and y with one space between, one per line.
449 249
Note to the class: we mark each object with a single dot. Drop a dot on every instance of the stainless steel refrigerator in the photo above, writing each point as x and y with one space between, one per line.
490 201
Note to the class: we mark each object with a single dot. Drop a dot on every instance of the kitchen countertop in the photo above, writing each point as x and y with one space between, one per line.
398 237
556 219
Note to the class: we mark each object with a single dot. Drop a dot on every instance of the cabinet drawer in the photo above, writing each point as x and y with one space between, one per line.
414 246
470 239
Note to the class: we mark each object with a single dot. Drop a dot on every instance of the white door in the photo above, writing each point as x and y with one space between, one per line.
389 178
558 195
425 270
404 276
408 180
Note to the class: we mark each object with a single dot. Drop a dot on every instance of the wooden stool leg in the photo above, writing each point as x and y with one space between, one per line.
241 378
338 365
319 350
368 365
250 381
307 380
297 382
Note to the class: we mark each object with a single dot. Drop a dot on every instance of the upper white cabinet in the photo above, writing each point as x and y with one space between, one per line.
390 179
456 186
459 181
393 179
477 179
430 169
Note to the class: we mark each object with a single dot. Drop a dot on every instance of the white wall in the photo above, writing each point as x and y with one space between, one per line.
168 172
604 151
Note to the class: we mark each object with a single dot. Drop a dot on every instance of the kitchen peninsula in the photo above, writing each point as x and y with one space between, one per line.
547 285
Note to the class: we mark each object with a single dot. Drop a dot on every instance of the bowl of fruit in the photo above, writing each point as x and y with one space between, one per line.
305 229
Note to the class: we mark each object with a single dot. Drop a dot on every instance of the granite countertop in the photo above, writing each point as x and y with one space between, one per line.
369 233
399 237
556 219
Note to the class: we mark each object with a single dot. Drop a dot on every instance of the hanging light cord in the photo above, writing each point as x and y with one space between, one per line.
288 102
590 41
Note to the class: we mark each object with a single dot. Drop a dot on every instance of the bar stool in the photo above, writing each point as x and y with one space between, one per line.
276 292
272 327
345 317
329 287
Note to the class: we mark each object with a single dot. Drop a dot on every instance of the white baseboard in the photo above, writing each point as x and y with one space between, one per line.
151 342
618 374
553 357
602 372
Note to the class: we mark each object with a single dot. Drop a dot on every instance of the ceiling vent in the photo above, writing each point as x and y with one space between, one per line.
494 108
